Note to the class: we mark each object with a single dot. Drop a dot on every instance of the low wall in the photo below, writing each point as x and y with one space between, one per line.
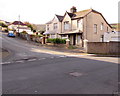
103 47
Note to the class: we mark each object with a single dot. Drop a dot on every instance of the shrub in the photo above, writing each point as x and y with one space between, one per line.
24 32
56 41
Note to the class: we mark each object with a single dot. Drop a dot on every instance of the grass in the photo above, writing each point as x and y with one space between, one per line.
72 47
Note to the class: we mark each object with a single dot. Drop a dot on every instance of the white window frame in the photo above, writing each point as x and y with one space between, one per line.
95 28
80 24
102 26
66 25
55 26
48 27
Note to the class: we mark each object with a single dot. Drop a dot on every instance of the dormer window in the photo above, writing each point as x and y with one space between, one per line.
47 27
80 24
55 25
66 25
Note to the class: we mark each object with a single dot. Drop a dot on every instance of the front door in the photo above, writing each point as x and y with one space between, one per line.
74 39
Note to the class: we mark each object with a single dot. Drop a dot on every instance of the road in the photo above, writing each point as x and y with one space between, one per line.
27 71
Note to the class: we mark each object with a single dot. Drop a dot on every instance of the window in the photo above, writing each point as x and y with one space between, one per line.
95 28
80 24
107 29
66 25
55 25
102 26
47 27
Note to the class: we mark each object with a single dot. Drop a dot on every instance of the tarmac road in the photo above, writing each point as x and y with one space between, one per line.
55 74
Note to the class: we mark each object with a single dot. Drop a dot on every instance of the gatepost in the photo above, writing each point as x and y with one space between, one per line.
85 45
67 43
43 40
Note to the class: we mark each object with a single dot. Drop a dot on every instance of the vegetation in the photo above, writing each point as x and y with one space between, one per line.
29 25
56 41
3 25
24 32
72 47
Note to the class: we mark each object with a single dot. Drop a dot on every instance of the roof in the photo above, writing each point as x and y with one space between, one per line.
18 23
60 18
81 14
49 22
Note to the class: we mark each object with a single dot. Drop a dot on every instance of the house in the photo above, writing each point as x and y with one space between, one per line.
3 25
87 25
53 27
113 36
40 28
18 26
80 26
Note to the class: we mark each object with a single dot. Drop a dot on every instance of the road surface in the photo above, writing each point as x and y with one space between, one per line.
27 71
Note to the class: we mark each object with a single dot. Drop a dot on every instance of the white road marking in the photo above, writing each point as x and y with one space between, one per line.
5 62
20 61
51 57
41 58
32 59
63 56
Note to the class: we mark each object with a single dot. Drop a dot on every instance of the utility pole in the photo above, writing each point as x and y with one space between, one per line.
18 23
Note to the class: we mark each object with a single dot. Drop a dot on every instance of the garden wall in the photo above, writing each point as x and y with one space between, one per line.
103 47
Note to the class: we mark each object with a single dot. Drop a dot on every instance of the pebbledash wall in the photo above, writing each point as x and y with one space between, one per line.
103 47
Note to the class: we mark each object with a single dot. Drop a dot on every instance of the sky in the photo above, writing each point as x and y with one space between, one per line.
42 11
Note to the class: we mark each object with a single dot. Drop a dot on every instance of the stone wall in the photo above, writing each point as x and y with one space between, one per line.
103 47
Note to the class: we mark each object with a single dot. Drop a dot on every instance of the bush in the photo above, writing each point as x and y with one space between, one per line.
56 41
24 32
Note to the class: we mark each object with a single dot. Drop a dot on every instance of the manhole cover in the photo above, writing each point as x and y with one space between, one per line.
76 74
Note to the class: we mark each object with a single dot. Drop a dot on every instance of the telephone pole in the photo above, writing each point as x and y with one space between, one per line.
18 23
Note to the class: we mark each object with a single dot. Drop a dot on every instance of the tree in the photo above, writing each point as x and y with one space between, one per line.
29 25
3 25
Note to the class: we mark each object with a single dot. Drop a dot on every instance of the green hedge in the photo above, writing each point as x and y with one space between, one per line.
56 41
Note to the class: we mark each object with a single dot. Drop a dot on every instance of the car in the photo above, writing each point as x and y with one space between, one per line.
11 35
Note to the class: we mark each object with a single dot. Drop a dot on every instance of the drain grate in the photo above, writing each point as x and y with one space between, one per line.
76 74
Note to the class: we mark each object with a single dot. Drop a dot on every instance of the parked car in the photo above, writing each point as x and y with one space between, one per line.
11 34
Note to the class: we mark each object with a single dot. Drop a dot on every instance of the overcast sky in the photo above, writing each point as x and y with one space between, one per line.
42 11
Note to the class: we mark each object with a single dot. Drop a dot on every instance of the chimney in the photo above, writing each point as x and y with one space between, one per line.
73 9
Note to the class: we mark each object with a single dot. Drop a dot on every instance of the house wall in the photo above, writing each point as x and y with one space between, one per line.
89 21
52 30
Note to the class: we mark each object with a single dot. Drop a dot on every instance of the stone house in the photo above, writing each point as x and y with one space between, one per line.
81 26
19 26
54 27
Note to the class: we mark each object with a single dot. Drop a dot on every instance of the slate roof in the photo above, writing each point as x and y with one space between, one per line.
60 18
18 23
81 14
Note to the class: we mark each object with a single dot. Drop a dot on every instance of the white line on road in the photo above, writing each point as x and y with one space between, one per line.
32 59
5 62
20 61
41 58
51 57
63 56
